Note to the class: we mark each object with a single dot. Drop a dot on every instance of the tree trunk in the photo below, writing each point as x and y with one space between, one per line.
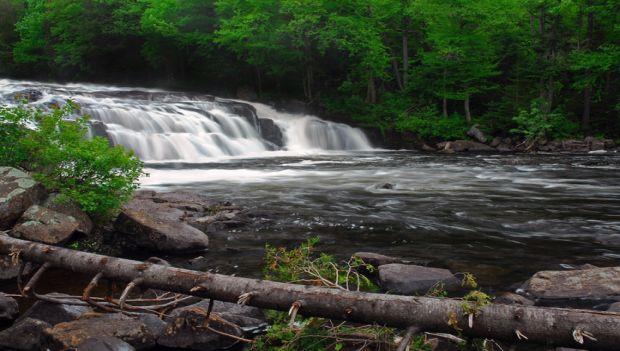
399 81
511 323
371 93
444 103
406 22
467 111
444 100
259 82
587 92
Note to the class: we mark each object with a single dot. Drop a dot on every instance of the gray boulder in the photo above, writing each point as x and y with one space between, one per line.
54 313
9 268
463 146
18 191
376 259
475 133
44 225
270 131
509 298
247 317
595 283
8 308
70 208
614 307
139 333
411 279
27 335
104 343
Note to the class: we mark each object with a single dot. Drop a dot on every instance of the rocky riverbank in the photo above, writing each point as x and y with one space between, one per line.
178 223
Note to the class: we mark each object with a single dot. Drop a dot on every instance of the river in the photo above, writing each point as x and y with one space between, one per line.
501 217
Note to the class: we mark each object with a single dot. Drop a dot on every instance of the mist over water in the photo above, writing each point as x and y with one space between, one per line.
501 217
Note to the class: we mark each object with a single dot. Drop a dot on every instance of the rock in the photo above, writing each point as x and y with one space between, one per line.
504 148
595 283
509 298
186 329
246 317
30 95
44 225
99 129
54 313
614 307
376 259
387 186
428 148
133 331
27 335
70 208
158 227
597 152
18 191
495 142
10 268
8 308
475 133
270 131
464 145
411 279
104 343
246 93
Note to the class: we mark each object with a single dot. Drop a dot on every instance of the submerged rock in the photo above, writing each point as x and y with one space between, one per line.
44 225
8 308
595 283
411 279
27 335
137 332
18 191
54 313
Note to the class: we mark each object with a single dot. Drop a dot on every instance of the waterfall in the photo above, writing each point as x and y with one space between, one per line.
161 126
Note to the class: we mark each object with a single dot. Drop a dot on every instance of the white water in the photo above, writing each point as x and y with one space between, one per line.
162 126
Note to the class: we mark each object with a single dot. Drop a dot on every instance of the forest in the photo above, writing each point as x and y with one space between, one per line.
429 67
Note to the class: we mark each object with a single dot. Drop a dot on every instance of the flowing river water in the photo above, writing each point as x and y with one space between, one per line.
501 217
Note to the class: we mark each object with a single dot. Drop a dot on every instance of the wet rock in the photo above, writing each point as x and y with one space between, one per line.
30 95
18 191
187 329
99 129
464 146
27 335
376 259
133 331
614 307
495 142
54 313
428 148
270 131
247 317
9 268
387 186
44 225
70 208
504 148
8 308
475 133
509 298
595 283
104 343
158 227
411 279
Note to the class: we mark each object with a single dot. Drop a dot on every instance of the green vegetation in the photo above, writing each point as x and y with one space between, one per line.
52 145
431 67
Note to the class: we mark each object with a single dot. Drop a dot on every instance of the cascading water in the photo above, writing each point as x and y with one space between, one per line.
162 126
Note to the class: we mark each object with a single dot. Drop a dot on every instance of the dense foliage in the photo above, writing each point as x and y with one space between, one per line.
429 66
88 171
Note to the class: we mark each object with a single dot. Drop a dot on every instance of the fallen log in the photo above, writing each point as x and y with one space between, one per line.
552 326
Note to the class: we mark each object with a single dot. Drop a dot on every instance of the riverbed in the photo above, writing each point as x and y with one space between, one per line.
501 217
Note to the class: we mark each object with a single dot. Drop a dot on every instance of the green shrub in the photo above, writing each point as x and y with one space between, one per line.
535 124
427 123
88 171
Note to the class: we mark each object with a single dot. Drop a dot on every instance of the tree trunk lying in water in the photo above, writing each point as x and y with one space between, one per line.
556 326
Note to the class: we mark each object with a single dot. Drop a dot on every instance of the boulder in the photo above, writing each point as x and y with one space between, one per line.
8 308
105 343
464 146
158 227
187 329
411 279
70 208
99 129
270 131
41 224
27 335
495 142
427 148
137 332
509 298
475 133
54 313
30 95
376 259
18 191
248 318
9 268
595 283
614 307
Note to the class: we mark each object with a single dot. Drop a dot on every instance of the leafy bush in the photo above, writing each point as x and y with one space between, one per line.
535 124
427 123
88 171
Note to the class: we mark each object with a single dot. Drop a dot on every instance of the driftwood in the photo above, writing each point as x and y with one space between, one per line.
552 326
